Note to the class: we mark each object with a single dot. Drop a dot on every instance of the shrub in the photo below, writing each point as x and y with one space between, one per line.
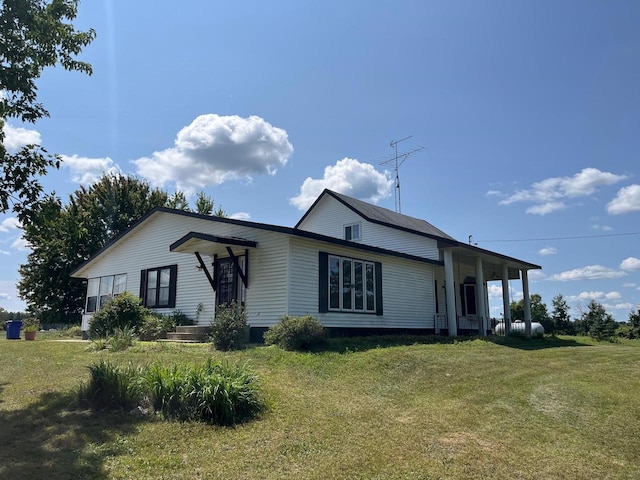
111 386
121 339
180 318
228 327
296 333
154 327
123 311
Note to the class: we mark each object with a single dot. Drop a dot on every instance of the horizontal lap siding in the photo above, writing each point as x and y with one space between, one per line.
330 216
148 247
407 287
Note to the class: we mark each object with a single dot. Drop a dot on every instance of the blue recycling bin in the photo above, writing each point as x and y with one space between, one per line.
13 329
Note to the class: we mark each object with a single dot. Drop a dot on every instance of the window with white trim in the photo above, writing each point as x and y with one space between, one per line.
101 289
352 232
350 285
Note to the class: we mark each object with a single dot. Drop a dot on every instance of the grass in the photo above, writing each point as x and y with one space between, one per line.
385 408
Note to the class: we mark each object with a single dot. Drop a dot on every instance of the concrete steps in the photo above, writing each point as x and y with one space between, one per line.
189 334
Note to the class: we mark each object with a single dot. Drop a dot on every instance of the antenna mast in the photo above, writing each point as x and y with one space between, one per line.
397 160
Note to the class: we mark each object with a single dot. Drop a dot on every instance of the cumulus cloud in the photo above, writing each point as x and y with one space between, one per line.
595 296
86 170
604 228
4 252
627 200
10 223
214 149
590 272
495 292
630 263
619 306
629 285
547 251
546 195
348 176
17 137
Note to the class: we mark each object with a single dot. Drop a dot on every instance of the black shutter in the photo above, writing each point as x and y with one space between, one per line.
323 282
463 302
143 286
378 274
173 280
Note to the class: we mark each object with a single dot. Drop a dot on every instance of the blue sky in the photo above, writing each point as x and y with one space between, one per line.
528 112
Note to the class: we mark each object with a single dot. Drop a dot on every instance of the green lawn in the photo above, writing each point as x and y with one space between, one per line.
553 408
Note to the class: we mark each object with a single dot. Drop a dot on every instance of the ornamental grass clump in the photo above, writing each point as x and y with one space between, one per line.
296 333
111 387
216 393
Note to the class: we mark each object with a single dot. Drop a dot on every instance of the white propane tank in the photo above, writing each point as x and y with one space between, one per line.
537 330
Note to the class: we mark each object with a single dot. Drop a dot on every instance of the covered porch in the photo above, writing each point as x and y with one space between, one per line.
464 309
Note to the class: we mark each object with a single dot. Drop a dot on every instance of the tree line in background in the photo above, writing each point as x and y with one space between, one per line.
594 322
63 236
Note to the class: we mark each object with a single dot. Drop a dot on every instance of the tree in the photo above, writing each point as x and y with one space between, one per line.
597 323
560 316
178 201
538 311
64 236
632 329
34 35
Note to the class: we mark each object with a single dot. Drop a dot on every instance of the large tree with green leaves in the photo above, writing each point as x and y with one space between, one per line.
538 311
64 236
34 35
596 322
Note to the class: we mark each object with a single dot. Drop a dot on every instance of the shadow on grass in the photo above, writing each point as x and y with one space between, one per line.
361 344
47 439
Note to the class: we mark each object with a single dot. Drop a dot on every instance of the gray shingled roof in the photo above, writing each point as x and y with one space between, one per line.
388 217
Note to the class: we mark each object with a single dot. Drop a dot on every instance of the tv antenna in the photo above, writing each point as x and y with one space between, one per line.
397 160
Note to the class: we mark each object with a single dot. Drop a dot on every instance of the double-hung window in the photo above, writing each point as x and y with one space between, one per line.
100 289
158 286
349 285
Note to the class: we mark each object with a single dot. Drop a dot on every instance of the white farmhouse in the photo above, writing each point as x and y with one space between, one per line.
355 266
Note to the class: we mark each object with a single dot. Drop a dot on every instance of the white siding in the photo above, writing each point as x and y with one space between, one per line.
407 289
147 246
329 217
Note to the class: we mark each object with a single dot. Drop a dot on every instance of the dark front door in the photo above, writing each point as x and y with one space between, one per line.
227 281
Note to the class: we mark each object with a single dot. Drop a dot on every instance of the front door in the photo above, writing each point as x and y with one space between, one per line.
226 281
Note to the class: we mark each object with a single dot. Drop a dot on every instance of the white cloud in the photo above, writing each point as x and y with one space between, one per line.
545 208
627 200
536 275
4 252
595 296
88 170
495 292
240 216
629 285
547 251
619 306
590 272
604 228
17 137
6 296
214 149
10 223
630 263
613 296
493 193
21 244
348 176
546 195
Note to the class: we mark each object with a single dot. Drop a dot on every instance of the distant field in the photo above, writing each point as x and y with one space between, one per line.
409 408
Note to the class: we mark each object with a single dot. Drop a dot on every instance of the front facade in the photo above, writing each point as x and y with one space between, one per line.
350 264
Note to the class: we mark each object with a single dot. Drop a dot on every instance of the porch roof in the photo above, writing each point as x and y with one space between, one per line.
492 261
197 242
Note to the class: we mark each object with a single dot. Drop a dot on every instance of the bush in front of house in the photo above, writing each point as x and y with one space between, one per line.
229 326
215 392
155 326
296 333
123 311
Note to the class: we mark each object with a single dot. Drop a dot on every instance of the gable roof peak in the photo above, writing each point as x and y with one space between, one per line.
381 215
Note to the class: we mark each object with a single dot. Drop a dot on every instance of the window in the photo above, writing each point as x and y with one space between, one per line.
158 287
100 289
468 298
352 232
229 284
349 285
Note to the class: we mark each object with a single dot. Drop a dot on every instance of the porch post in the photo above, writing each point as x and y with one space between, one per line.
527 303
450 292
505 300
480 295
